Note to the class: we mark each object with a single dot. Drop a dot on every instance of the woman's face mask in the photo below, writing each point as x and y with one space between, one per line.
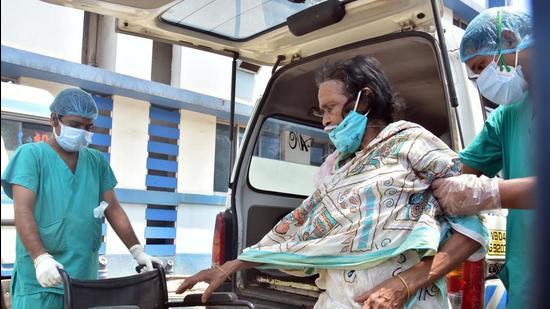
348 134
502 84
72 139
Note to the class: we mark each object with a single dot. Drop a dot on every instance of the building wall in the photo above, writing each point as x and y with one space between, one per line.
129 142
195 228
197 149
51 87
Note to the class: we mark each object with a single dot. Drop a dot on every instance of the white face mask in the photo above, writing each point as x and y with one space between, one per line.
504 85
73 139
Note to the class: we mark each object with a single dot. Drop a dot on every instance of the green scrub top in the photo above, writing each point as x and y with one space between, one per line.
505 143
63 210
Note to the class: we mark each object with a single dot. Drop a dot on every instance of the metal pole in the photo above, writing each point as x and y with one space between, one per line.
541 89
232 139
445 56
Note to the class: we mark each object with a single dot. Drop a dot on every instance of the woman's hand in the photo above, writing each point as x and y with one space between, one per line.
391 293
213 276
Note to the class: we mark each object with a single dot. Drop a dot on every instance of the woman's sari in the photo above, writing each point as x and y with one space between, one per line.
375 207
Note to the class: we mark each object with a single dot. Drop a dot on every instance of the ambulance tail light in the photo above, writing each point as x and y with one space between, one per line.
466 285
218 242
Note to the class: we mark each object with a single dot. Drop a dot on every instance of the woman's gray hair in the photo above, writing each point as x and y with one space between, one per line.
360 72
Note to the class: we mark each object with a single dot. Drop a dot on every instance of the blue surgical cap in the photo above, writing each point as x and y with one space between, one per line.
74 101
481 37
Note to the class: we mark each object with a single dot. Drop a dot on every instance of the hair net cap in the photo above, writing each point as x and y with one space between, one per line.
481 37
74 101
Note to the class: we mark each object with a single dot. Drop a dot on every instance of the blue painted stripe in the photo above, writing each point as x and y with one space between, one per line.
101 250
496 3
164 115
162 148
189 198
162 131
101 139
163 250
161 215
103 122
103 103
161 181
489 291
133 196
103 229
162 165
503 301
160 232
107 156
7 269
460 8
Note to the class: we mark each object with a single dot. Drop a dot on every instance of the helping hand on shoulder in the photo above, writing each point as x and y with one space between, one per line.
467 194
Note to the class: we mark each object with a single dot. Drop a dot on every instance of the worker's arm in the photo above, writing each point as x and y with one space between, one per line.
392 293
46 267
121 224
472 192
25 224
518 193
119 220
514 193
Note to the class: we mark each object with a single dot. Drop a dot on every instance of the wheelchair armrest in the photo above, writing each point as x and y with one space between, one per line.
216 299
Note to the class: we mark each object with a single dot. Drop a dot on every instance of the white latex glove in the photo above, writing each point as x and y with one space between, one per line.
143 258
47 272
466 194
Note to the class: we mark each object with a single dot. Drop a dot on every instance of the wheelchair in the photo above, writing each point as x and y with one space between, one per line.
145 290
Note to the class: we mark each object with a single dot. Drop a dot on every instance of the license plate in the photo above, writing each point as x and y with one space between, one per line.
497 243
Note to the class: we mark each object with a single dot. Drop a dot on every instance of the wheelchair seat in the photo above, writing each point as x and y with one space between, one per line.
145 290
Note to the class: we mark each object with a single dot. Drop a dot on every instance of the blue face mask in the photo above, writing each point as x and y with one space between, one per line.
502 84
348 135
73 139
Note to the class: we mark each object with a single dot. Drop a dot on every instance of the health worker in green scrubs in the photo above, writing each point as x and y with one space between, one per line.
497 45
57 188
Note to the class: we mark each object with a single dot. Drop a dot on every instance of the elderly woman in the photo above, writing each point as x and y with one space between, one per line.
371 230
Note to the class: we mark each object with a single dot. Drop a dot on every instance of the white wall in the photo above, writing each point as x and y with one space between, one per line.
42 28
51 87
129 142
197 146
134 56
136 214
195 228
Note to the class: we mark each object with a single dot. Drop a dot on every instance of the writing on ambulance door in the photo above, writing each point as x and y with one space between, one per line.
16 133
